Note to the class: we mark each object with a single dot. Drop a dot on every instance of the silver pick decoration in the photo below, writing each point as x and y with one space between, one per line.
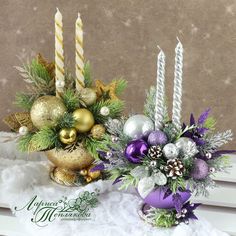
145 186
139 172
159 178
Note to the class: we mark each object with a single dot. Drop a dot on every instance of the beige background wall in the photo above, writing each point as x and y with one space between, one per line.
121 38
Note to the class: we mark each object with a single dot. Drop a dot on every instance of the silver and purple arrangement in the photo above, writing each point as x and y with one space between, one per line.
164 159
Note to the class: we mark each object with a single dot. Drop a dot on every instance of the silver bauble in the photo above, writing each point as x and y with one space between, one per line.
138 126
170 151
187 147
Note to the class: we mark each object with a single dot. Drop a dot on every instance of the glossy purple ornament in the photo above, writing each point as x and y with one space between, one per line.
157 198
200 169
157 137
136 150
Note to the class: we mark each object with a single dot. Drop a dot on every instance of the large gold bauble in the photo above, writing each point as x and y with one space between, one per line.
88 96
67 135
84 120
98 131
77 159
46 110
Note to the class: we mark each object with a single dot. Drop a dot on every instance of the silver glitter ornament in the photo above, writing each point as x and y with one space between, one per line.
138 126
208 155
170 151
187 147
109 154
153 163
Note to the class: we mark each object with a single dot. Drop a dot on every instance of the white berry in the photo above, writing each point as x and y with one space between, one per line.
105 111
23 130
60 84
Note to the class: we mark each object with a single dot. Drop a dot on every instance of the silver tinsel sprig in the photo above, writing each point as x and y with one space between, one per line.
217 140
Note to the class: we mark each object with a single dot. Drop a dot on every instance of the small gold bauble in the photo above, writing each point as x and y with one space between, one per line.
83 172
46 110
88 96
94 174
88 179
84 120
98 131
67 135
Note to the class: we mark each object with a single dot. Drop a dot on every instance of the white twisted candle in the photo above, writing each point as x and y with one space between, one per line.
177 96
59 54
79 54
160 91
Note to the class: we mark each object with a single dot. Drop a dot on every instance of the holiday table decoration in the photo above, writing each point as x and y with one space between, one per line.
165 160
65 116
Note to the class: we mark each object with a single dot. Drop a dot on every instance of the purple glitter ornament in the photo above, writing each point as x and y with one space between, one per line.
200 169
136 150
157 137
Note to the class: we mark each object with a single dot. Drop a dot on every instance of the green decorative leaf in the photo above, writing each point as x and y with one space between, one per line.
121 85
71 100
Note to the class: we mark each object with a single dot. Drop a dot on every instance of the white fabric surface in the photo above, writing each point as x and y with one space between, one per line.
116 214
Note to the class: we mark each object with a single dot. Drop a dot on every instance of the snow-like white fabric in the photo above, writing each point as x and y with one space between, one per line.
116 214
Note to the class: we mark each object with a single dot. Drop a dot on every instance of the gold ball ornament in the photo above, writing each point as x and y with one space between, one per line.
67 135
94 174
46 110
84 120
98 131
89 96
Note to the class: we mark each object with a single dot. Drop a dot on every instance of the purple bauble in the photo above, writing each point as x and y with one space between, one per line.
200 169
157 137
136 150
156 198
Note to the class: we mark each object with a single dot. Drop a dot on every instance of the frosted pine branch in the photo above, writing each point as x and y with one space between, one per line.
219 139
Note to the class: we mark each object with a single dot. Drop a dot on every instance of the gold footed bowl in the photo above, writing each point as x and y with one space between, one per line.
72 167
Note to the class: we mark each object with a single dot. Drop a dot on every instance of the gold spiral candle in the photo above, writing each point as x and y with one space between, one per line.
79 54
59 54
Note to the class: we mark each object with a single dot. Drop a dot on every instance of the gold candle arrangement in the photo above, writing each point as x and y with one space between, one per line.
79 54
59 54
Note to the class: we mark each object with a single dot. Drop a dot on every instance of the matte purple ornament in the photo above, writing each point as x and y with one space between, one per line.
157 198
136 150
157 137
200 169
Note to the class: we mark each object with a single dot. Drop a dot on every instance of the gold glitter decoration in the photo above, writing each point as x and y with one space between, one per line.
88 96
63 176
84 120
67 164
68 135
77 159
109 89
98 131
46 110
16 120
90 175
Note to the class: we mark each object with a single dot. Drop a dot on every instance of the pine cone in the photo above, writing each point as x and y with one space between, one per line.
174 168
155 152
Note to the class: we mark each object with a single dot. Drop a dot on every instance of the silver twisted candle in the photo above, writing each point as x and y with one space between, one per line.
160 91
177 96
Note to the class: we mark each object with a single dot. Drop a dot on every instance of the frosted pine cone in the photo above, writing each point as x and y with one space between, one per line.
155 152
174 168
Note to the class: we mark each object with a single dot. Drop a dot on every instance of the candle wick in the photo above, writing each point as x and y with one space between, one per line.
178 39
159 47
78 14
58 10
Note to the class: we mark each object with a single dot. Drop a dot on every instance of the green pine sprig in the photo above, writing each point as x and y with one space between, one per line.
121 85
24 142
71 100
87 75
25 101
66 121
115 106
